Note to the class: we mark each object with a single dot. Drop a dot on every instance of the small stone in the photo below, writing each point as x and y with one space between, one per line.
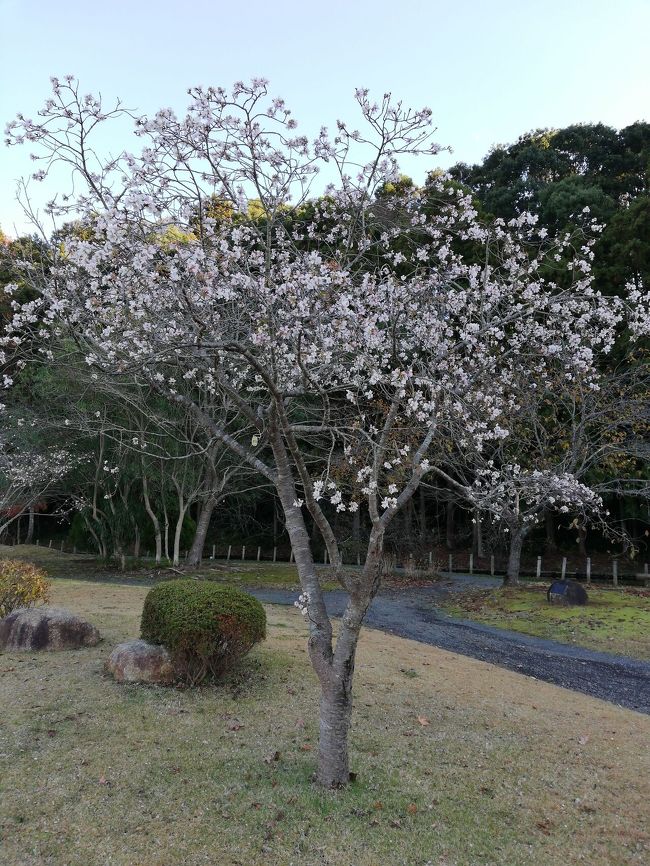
45 628
137 661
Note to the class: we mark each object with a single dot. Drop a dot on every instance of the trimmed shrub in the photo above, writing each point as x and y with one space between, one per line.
22 584
205 627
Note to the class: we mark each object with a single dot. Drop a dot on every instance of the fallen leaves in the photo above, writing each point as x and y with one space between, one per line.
424 721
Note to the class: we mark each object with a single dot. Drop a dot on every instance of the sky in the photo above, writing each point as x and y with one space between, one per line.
489 69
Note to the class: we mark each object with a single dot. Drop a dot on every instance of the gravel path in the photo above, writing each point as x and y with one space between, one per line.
412 613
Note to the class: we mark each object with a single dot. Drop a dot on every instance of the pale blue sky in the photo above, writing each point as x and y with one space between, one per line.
489 69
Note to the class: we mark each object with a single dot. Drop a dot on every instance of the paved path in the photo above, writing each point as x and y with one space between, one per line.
412 613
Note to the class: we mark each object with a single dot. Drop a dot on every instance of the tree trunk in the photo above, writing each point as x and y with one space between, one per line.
334 666
166 518
177 536
450 539
101 547
136 543
335 718
514 558
153 517
30 527
202 525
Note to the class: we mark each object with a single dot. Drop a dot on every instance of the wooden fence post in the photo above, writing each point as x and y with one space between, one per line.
492 564
563 567
588 569
538 571
615 572
122 562
214 551
259 550
50 544
275 553
451 563
61 547
243 551
471 563
229 552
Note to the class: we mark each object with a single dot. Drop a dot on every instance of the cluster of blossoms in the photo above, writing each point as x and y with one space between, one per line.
27 475
639 300
302 603
521 495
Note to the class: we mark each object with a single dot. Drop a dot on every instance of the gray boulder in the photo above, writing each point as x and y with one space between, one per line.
45 628
137 661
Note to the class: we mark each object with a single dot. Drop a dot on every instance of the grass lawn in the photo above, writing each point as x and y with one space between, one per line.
459 763
614 620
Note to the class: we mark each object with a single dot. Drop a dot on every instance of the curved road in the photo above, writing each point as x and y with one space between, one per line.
411 613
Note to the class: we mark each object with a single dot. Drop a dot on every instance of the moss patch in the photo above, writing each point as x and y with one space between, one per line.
615 620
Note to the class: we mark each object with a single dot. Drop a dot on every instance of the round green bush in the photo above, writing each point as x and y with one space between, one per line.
204 626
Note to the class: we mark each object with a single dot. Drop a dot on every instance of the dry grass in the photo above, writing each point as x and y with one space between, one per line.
498 769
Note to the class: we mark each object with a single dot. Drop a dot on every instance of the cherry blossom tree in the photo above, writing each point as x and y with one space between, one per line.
334 344
568 441
28 474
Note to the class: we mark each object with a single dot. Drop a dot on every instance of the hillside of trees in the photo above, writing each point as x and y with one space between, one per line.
143 478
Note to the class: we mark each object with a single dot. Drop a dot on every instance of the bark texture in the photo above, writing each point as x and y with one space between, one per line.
195 555
514 557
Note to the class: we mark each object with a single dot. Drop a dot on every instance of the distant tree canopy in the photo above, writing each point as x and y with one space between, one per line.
557 173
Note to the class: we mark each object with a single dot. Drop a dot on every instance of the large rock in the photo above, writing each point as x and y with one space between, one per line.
567 592
45 628
137 661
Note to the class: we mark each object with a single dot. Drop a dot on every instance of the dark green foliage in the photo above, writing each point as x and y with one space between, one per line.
205 627
78 534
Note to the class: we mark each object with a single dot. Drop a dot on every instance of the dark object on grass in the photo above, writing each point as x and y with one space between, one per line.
567 592
204 626
45 628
